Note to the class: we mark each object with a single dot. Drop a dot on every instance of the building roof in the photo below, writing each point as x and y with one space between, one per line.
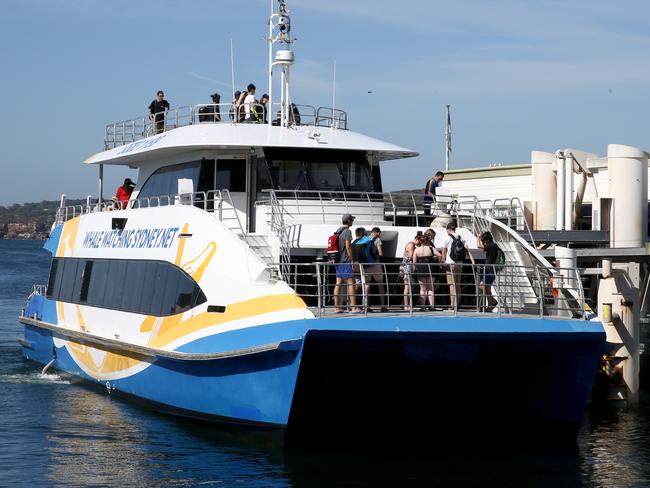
488 172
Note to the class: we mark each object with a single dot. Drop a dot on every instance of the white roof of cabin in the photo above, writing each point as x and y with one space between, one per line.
226 136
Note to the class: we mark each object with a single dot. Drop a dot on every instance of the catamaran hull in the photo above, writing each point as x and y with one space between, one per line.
366 381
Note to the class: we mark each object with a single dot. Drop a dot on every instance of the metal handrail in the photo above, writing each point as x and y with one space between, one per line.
127 131
399 208
396 288
211 201
331 117
321 204
514 213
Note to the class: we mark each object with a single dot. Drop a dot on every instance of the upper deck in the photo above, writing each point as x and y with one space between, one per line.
210 126
127 131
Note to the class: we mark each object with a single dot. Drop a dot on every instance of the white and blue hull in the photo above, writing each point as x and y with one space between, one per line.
368 379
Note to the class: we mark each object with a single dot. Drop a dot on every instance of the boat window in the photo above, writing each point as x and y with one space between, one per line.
159 278
146 287
289 175
97 285
169 289
356 176
68 279
264 180
134 283
115 282
85 281
315 169
231 175
164 181
325 176
54 276
206 178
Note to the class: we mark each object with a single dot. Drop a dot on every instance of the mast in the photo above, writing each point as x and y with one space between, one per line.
447 139
280 32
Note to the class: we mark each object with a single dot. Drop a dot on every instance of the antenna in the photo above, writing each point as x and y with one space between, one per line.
232 68
333 92
448 139
280 31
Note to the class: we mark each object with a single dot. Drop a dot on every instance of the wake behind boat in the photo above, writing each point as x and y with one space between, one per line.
209 294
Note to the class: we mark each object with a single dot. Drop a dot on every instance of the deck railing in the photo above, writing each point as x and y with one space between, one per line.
431 287
132 130
399 208
217 202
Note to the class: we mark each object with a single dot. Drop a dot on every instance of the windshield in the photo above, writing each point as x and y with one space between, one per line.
321 170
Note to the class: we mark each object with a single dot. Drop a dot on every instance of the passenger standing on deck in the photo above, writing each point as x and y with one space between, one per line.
423 258
436 271
454 253
494 259
123 193
234 105
211 112
406 270
158 111
344 272
361 257
375 270
264 102
430 191
249 102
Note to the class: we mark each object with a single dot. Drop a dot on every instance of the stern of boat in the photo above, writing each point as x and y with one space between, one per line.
409 389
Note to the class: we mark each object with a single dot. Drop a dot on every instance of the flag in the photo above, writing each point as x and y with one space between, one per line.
448 131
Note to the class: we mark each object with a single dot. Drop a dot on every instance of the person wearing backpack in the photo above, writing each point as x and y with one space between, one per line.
494 259
344 272
454 254
360 255
375 271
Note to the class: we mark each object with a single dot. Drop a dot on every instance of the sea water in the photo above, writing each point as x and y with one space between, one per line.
54 432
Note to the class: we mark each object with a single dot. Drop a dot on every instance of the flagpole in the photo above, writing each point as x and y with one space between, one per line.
447 139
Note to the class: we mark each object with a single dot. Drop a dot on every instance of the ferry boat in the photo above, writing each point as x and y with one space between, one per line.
210 295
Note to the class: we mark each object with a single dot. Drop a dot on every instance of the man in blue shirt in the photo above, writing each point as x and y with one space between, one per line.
361 246
363 258
430 191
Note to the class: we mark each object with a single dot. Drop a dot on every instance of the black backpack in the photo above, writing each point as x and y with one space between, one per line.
457 253
501 258
206 114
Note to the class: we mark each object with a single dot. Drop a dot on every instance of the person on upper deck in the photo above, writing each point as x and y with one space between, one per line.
294 114
248 100
123 193
264 102
234 105
211 113
430 191
157 111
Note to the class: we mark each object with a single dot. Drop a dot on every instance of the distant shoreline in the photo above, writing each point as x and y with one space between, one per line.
30 238
30 221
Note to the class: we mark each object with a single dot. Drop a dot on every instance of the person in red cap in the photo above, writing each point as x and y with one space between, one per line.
123 193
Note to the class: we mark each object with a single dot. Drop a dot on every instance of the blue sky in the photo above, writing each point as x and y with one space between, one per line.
520 76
